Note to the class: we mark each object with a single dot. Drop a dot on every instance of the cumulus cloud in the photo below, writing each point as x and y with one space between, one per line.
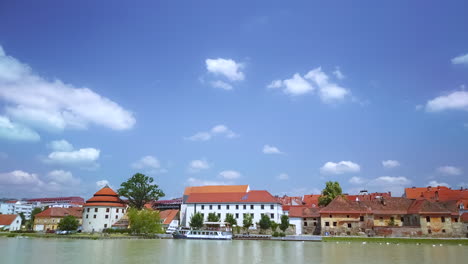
462 59
84 157
338 74
267 149
283 177
225 67
390 164
19 177
149 164
221 85
60 145
340 167
356 180
16 132
230 174
329 92
436 183
53 105
396 185
449 170
221 130
198 165
457 100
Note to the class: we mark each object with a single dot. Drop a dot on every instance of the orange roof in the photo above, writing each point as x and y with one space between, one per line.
290 200
149 205
303 212
7 219
311 199
440 193
106 191
216 189
105 197
235 197
61 212
168 215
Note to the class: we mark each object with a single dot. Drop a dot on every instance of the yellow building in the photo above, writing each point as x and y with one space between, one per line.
48 220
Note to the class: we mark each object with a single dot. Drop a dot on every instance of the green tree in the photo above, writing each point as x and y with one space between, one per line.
284 223
68 223
248 222
265 222
139 190
274 226
196 221
30 222
212 217
230 220
144 222
331 191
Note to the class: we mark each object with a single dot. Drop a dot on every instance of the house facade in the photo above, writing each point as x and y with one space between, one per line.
49 219
306 220
10 222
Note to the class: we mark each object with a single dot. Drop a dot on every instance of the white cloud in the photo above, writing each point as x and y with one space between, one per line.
221 85
462 59
356 180
436 183
457 100
329 92
16 132
230 174
60 145
396 185
54 105
102 183
275 84
81 156
338 74
198 165
449 170
390 164
60 176
267 149
200 182
216 130
226 67
19 177
340 167
297 85
283 176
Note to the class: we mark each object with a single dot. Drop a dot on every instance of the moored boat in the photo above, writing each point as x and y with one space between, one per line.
202 234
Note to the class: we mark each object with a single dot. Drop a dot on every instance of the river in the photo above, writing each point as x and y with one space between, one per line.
51 251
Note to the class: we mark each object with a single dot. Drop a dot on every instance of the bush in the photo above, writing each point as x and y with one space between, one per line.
281 234
23 231
11 235
276 234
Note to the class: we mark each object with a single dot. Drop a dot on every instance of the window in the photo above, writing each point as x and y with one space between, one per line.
262 207
272 216
428 219
334 223
361 218
327 223
443 230
203 207
315 219
107 210
442 219
107 216
95 210
402 219
117 210
245 206
251 206
123 211
94 216
86 216
116 217
272 207
347 216
219 215
227 207
429 231
349 225
252 215
211 207
105 225
305 223
330 216
237 207
315 223
237 215
219 207
203 216
304 219
455 220
87 210
381 219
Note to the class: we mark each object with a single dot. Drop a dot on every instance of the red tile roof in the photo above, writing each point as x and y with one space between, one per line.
440 193
71 199
303 212
290 200
232 197
105 197
390 205
216 189
60 212
342 205
311 199
425 207
168 215
7 219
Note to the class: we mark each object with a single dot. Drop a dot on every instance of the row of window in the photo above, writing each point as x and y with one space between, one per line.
107 210
107 216
442 219
244 207
236 215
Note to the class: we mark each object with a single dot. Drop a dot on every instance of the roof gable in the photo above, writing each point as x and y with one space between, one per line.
7 219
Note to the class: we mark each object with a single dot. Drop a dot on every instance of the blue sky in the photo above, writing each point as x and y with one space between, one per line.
281 96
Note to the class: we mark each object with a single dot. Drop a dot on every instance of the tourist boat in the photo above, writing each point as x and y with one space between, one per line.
202 234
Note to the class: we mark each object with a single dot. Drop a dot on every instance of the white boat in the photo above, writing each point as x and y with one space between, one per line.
202 234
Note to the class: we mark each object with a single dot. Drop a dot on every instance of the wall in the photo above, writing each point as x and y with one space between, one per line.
97 221
48 223
342 221
296 221
435 227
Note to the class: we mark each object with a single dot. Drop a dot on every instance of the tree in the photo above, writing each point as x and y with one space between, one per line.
139 190
230 220
248 222
68 223
144 221
212 217
274 226
23 218
331 191
196 221
284 223
265 222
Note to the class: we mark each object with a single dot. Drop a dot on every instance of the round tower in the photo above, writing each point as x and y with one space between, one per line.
102 210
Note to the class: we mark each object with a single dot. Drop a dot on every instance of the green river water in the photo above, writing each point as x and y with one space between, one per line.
51 251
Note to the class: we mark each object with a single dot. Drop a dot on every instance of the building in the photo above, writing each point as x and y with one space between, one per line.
439 193
161 205
48 219
63 202
10 222
169 218
306 219
252 202
103 210
7 207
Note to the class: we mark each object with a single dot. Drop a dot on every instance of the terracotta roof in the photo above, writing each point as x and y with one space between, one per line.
172 201
290 200
426 207
168 215
368 196
12 202
7 219
105 197
106 191
71 199
61 212
390 205
216 189
235 197
464 217
303 212
343 205
311 199
440 193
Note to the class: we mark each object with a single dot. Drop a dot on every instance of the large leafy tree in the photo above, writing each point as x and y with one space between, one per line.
274 226
284 223
144 222
248 222
68 223
139 190
230 220
331 191
212 217
265 222
196 221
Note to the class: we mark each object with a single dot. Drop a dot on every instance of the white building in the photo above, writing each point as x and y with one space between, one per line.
255 203
10 222
17 207
7 208
102 210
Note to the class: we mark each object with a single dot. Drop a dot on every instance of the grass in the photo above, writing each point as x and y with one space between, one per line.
448 241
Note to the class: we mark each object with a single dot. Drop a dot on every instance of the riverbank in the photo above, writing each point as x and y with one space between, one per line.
392 240
95 236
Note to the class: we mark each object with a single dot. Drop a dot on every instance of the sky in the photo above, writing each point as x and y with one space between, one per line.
282 96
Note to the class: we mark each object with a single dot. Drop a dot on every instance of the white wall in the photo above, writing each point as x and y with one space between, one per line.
191 209
100 222
298 223
15 225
